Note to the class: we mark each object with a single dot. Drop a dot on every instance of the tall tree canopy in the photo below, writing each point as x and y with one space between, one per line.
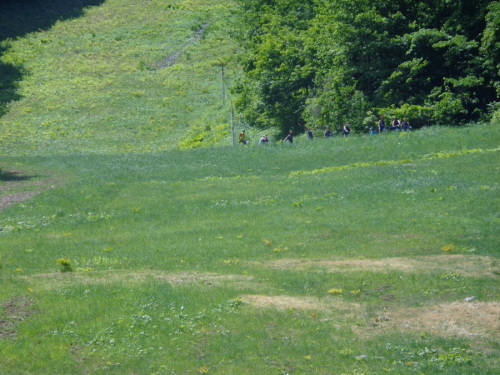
321 62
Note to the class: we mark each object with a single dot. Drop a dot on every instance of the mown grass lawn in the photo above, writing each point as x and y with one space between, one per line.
365 255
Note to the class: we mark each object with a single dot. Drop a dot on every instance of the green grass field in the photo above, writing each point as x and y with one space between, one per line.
134 239
349 256
122 78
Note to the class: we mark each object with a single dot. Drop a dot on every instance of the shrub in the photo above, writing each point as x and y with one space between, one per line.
65 264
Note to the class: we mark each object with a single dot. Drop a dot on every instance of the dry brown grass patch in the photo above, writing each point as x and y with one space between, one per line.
56 280
282 302
467 265
468 319
204 278
476 321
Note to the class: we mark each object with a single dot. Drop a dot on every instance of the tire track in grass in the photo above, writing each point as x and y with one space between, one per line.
469 265
172 58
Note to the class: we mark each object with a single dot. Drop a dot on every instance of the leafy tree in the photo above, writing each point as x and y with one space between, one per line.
490 52
322 62
278 78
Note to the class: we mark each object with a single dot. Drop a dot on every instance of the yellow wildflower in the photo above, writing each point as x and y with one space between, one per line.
449 247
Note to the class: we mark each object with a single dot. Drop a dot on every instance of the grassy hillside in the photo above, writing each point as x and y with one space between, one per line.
365 255
117 77
124 250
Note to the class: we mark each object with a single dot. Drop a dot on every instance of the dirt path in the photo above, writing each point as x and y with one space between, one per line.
14 310
171 59
10 199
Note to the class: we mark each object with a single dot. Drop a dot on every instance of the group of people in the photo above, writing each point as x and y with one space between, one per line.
395 125
346 130
403 125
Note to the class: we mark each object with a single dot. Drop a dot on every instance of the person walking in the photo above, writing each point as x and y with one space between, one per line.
381 124
405 125
346 130
264 140
243 138
328 132
310 133
395 124
289 137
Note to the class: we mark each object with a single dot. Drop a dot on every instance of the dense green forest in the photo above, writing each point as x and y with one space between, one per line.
322 62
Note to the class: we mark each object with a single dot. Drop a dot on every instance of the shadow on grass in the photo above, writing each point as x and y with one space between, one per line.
9 76
7 176
18 18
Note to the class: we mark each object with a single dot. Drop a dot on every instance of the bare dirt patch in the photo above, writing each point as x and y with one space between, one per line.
17 186
14 311
10 199
467 265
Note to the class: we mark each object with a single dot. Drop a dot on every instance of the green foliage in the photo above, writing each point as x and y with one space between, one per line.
278 78
420 116
356 56
490 42
65 264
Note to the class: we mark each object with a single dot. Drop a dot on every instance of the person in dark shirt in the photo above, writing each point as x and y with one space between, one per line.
310 133
346 130
395 124
405 125
289 137
381 124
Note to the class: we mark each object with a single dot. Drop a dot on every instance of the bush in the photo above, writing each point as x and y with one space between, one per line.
418 116
65 264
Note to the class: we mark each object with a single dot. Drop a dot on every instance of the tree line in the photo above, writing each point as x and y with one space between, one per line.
323 62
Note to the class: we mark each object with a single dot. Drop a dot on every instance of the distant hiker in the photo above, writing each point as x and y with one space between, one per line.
310 133
346 130
264 140
373 131
328 132
381 124
395 124
243 138
289 137
405 125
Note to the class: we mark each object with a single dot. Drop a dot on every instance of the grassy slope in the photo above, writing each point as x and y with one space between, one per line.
337 233
344 256
99 83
